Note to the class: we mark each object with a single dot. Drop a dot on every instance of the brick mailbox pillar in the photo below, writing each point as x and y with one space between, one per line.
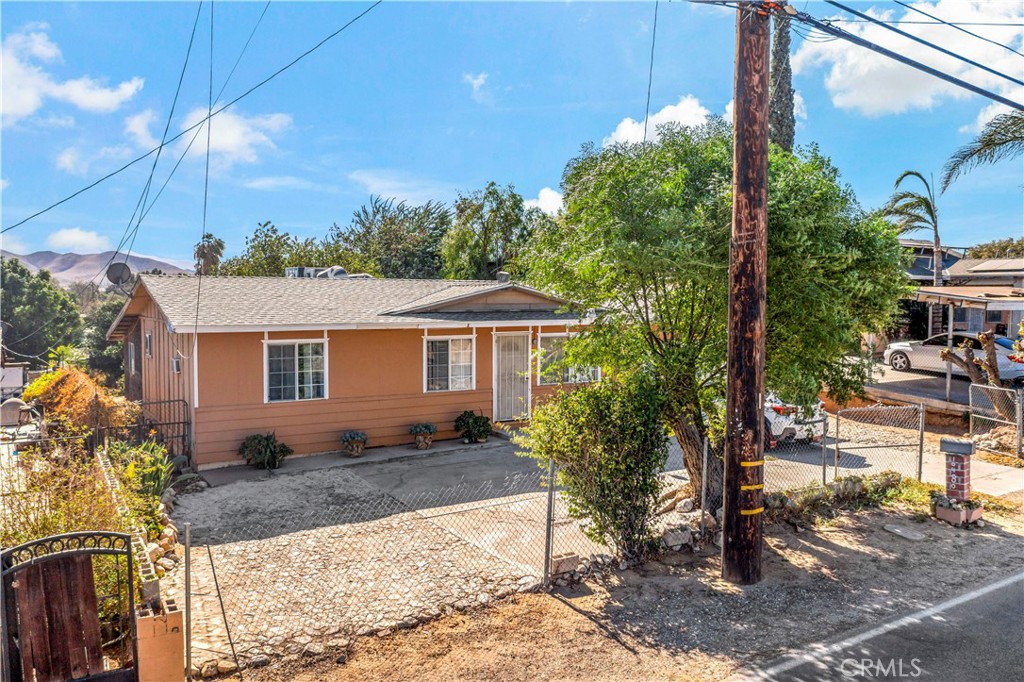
958 467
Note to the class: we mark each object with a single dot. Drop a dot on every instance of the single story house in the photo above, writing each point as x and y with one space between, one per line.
977 308
308 358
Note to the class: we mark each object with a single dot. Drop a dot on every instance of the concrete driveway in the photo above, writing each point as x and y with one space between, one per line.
918 384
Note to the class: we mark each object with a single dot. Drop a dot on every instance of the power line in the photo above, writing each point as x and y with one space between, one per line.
932 23
181 158
925 42
957 27
857 40
200 122
650 72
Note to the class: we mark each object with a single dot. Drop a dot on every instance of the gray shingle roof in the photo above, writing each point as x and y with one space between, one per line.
267 302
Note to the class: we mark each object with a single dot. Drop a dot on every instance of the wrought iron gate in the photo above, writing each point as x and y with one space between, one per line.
52 625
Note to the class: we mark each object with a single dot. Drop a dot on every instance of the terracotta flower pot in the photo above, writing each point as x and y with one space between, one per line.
972 515
423 441
354 448
953 516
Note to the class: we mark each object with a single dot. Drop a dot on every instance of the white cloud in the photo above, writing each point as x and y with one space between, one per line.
27 85
688 111
278 182
478 82
730 109
10 242
136 127
398 185
234 138
860 80
3 184
72 160
799 106
548 200
77 240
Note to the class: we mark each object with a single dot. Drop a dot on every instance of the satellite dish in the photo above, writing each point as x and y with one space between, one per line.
119 273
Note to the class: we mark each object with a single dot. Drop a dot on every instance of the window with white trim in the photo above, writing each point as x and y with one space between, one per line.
148 345
295 371
553 370
131 358
449 364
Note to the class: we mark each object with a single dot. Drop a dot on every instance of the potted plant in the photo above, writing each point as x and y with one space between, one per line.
956 512
424 434
474 428
354 442
263 451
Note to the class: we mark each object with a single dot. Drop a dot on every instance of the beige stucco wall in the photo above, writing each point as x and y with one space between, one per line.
374 384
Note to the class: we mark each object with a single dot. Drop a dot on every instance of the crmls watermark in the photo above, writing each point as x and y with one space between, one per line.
877 668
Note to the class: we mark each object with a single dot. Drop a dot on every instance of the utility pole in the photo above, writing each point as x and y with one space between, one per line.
748 256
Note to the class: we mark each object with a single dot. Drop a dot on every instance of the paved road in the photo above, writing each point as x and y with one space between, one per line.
978 636
922 384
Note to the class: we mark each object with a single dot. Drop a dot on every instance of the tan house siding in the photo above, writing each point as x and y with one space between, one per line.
374 384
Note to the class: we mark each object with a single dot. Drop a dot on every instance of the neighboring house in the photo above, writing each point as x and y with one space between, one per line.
921 269
308 358
987 272
978 308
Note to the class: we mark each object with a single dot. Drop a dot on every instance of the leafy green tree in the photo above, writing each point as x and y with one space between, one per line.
208 253
104 356
394 239
609 442
37 314
491 228
781 115
268 251
914 211
644 238
998 248
1001 138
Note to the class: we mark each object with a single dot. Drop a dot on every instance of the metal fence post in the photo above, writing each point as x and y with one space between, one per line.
824 451
549 530
1020 422
920 442
835 473
704 487
188 601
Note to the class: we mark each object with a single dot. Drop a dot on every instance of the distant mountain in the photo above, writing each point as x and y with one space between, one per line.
68 268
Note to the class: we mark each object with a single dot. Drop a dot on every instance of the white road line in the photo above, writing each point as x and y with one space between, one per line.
820 651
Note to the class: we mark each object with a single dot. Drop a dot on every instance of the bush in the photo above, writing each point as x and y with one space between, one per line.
70 396
609 442
264 451
473 427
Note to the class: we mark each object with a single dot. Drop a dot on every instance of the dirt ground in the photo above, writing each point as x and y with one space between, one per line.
674 619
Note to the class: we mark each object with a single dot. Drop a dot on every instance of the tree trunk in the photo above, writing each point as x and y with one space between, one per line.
984 372
691 441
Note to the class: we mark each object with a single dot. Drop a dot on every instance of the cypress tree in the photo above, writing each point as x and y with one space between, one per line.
781 118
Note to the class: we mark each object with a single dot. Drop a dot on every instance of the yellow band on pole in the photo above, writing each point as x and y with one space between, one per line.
756 486
751 512
752 464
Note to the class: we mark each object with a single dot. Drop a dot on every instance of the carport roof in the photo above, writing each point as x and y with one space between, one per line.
987 297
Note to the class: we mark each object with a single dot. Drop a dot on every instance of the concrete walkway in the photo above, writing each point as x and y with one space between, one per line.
330 460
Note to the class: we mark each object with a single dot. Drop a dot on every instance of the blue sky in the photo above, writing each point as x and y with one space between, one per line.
421 100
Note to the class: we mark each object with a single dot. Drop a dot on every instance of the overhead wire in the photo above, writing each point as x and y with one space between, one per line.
650 71
957 27
922 41
217 111
147 209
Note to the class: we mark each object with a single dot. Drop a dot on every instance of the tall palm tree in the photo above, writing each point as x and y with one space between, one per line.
915 211
208 253
1001 138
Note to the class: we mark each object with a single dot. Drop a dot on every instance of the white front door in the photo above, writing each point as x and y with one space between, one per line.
511 376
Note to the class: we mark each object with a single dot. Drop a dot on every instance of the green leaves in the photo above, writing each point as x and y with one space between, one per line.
38 315
609 442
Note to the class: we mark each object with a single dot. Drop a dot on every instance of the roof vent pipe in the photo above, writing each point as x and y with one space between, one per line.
503 276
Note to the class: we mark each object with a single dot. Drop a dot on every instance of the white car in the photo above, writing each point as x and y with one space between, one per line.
784 422
924 355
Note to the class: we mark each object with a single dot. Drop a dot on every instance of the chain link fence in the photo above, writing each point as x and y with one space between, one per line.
997 419
370 561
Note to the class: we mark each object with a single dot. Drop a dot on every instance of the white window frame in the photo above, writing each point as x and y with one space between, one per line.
472 372
147 344
132 369
540 353
294 342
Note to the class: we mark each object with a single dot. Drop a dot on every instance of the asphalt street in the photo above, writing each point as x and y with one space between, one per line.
978 636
